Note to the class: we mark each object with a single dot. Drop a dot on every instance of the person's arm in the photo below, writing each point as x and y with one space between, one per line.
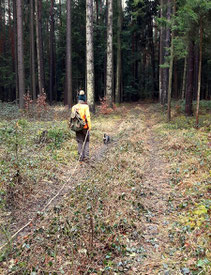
88 118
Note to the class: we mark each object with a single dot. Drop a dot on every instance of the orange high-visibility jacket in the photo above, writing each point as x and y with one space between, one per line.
83 110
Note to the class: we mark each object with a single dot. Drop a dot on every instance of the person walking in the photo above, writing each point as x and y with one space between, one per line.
83 109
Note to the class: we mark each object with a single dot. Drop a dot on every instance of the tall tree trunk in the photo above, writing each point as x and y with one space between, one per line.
32 51
15 50
176 92
190 75
1 28
167 46
69 56
90 55
21 74
152 49
52 54
11 32
38 7
109 71
184 78
171 65
161 55
199 75
11 38
119 54
196 71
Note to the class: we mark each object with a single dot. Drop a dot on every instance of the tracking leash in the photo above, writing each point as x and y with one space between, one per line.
52 199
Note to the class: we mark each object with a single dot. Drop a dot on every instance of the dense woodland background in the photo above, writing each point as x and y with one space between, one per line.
127 51
141 205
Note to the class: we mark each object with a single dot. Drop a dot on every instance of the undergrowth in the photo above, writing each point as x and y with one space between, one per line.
188 151
98 228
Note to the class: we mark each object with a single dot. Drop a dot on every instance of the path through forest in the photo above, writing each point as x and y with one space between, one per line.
152 245
127 187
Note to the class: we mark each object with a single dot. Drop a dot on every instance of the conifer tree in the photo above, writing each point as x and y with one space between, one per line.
90 55
109 68
21 73
69 55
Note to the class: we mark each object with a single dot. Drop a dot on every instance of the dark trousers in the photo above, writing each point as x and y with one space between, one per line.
80 138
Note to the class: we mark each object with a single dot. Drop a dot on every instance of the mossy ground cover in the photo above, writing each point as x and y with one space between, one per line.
141 208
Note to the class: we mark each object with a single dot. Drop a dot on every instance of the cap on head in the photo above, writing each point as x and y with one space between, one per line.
81 92
82 96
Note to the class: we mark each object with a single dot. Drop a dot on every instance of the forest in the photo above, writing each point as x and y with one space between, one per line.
132 53
141 203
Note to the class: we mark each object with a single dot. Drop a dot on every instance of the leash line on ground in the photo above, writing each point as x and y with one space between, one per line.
50 201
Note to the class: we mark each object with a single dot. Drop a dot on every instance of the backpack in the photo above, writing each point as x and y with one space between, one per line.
76 122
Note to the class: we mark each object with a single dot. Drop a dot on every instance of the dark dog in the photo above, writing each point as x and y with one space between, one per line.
106 139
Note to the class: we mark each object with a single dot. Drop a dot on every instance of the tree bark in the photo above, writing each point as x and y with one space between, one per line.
196 71
32 51
171 66
21 74
15 50
52 54
199 75
161 58
184 78
152 49
11 38
175 82
38 4
69 56
119 54
90 56
166 54
109 70
190 75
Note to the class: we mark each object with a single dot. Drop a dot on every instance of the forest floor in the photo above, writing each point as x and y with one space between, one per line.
140 206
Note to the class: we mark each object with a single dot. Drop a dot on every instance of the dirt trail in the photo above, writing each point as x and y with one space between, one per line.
155 195
149 241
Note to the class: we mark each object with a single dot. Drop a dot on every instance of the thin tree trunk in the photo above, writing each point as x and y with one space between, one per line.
171 66
109 71
199 75
167 46
176 92
21 74
12 47
161 57
69 56
52 54
32 51
15 50
90 55
184 78
152 49
196 70
39 46
1 40
119 54
190 75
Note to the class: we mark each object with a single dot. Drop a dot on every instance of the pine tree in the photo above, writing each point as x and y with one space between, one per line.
32 51
109 69
119 54
69 55
90 55
21 73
